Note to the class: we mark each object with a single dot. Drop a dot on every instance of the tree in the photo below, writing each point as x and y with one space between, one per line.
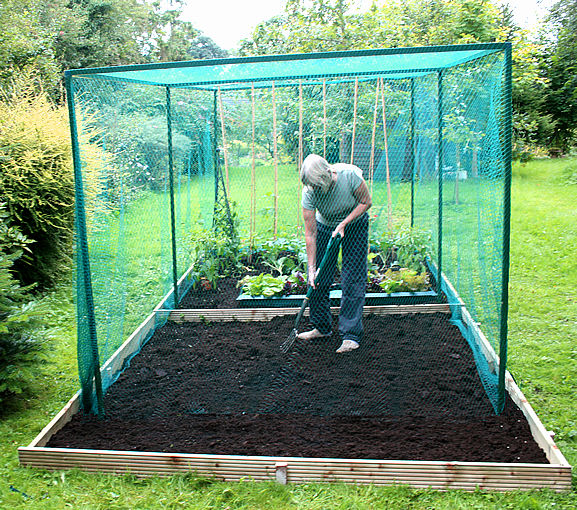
26 42
561 70
97 33
326 25
202 47
532 124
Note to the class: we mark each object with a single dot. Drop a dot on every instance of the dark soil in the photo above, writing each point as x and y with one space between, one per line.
224 296
411 392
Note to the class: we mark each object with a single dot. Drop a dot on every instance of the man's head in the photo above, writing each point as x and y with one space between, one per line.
316 173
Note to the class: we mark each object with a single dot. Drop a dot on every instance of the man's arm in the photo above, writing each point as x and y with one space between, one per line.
311 243
363 195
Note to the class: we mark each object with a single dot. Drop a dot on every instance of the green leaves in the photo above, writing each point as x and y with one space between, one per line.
21 329
264 284
403 280
408 247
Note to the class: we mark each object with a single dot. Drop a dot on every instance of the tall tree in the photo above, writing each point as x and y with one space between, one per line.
98 33
325 25
561 70
26 36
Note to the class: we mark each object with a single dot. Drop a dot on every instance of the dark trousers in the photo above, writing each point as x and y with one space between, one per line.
353 281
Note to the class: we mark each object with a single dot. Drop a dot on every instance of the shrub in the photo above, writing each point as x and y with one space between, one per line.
21 334
36 179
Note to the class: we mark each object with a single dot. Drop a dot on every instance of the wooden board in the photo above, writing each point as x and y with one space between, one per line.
266 314
437 475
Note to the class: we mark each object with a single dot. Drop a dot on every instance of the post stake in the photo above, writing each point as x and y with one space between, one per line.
84 278
354 120
507 146
325 118
389 195
440 157
172 208
253 176
275 150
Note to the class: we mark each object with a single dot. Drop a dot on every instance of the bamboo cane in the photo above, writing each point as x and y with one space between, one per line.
389 199
324 118
373 136
275 152
301 149
223 140
253 176
354 119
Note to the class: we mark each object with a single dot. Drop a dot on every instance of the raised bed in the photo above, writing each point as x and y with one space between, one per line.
242 300
438 474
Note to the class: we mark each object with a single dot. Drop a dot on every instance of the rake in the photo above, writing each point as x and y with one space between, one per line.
329 258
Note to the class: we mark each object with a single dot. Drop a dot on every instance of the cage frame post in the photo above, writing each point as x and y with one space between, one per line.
88 403
215 150
507 149
171 188
441 159
413 152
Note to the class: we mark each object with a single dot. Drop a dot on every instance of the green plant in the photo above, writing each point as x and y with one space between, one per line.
263 284
408 247
36 179
216 251
399 280
267 285
21 329
283 265
284 255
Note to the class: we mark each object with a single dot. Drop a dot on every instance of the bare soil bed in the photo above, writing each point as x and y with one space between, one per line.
222 297
410 392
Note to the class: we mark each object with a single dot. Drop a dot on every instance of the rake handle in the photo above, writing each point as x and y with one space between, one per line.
329 257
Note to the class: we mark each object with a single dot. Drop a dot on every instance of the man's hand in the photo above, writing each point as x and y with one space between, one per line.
313 272
339 230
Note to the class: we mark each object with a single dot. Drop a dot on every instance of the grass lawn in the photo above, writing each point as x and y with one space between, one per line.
542 358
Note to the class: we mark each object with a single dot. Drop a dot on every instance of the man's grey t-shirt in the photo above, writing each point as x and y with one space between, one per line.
336 204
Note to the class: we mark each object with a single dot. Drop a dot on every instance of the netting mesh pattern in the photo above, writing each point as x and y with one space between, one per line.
188 145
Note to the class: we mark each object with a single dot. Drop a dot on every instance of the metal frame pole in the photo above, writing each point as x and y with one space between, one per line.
507 147
215 151
172 208
84 273
441 157
413 152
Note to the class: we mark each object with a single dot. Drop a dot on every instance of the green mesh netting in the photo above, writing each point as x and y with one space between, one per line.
211 151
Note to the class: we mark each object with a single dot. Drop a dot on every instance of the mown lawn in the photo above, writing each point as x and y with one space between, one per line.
542 358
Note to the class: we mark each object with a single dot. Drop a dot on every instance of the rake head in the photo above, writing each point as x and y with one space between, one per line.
286 346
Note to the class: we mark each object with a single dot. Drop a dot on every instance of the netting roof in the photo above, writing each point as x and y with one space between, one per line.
394 63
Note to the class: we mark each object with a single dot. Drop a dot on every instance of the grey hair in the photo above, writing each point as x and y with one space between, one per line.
316 172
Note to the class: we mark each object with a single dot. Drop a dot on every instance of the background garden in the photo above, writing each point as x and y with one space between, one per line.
37 335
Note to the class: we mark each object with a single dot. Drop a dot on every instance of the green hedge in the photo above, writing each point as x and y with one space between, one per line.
21 330
36 181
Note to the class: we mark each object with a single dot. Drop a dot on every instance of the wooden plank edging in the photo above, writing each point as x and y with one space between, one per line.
434 474
540 433
266 314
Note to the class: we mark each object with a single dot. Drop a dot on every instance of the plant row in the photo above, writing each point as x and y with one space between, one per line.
397 262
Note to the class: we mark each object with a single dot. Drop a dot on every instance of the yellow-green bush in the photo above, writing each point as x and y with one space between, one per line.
36 179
